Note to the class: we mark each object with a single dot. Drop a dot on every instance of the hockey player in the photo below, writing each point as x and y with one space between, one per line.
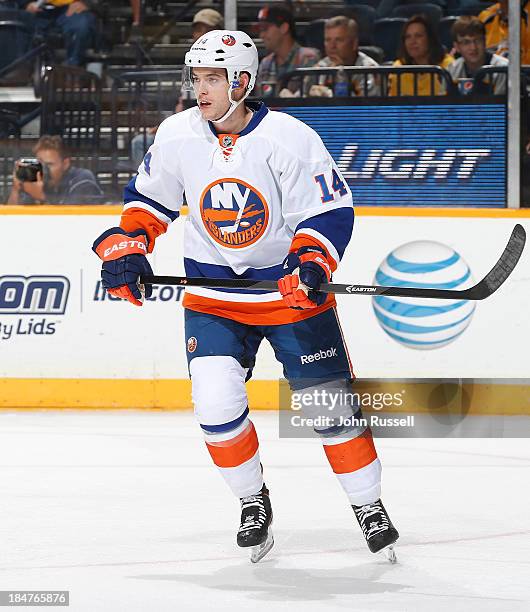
266 201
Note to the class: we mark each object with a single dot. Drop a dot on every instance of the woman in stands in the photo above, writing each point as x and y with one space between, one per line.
419 46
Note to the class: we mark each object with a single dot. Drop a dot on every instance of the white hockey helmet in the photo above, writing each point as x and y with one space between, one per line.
233 50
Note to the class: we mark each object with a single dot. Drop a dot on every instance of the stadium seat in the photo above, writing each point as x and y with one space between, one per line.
372 3
466 5
314 35
364 15
387 33
386 7
444 31
375 53
432 11
443 3
452 5
470 9
9 123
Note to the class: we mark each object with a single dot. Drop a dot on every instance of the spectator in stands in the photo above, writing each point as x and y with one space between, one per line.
60 182
341 42
277 27
495 18
419 46
72 17
469 37
204 21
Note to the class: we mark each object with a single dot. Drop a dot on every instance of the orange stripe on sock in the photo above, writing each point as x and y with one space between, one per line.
231 453
352 455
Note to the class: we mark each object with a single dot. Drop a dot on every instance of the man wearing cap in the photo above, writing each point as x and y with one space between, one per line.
205 21
277 28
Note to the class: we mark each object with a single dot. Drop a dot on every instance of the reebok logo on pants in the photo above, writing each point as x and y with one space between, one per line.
330 352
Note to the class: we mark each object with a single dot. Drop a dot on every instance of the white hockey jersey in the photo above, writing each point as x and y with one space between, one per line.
251 198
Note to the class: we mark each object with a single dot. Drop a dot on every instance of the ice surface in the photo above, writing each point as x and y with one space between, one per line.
125 510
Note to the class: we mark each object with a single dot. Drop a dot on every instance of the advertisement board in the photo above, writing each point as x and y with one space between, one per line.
57 323
428 155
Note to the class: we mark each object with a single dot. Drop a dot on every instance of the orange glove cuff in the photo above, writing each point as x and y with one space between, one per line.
119 245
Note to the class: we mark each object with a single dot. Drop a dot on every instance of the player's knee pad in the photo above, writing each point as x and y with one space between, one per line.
218 390
333 407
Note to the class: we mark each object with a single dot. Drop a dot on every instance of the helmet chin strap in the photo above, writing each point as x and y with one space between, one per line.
231 109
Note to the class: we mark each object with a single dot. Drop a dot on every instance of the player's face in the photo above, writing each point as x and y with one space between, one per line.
472 49
340 46
211 89
416 42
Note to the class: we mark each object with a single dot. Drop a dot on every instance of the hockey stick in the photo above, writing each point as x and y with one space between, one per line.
483 289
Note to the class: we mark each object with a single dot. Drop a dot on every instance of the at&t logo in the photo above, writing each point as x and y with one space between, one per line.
423 323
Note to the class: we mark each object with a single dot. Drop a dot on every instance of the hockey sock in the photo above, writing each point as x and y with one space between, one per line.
236 454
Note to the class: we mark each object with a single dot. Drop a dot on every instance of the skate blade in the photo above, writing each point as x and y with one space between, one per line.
390 553
258 552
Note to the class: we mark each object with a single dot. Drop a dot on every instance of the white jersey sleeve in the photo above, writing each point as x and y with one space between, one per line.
158 186
316 200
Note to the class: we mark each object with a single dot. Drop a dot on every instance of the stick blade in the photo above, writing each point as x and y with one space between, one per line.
504 267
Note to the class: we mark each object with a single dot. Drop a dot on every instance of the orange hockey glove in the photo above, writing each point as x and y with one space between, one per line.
124 260
306 270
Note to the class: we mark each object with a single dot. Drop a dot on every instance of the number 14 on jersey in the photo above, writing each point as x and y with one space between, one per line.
337 184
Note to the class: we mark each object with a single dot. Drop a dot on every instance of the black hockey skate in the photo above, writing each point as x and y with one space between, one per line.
256 519
377 528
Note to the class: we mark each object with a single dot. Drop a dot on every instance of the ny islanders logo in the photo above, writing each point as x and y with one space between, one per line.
234 213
